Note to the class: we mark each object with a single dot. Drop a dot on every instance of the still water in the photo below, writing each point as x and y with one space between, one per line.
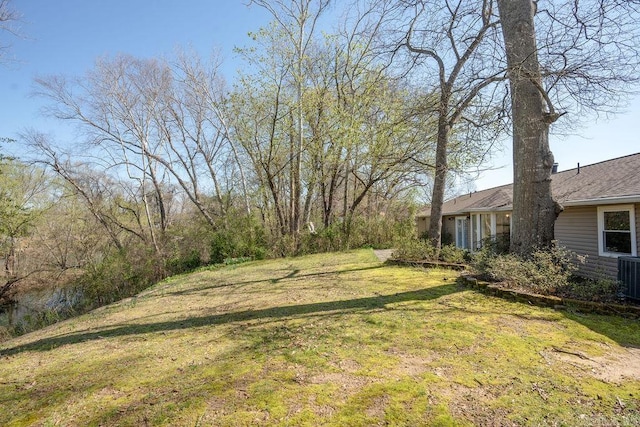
33 304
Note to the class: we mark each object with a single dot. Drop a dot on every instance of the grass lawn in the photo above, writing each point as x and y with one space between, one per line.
337 339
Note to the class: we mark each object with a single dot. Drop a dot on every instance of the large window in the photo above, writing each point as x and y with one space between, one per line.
616 230
503 230
490 226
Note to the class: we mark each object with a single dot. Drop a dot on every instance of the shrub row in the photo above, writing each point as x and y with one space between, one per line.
546 272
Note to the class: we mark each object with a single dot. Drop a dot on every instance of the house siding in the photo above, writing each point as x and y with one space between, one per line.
448 228
422 224
577 229
637 211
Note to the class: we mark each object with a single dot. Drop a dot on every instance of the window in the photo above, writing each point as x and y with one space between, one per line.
486 226
503 230
462 232
479 230
503 224
494 226
616 230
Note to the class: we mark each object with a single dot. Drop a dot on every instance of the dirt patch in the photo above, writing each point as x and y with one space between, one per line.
471 403
412 366
471 408
614 367
409 364
347 382
108 393
377 407
349 366
620 366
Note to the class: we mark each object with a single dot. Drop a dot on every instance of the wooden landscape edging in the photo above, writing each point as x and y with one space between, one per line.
558 303
428 264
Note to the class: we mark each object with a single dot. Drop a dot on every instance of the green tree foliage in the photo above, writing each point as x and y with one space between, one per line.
362 134
23 199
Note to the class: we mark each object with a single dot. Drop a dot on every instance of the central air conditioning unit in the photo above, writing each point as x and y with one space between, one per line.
629 275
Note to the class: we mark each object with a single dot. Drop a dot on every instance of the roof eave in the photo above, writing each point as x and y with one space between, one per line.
492 209
635 198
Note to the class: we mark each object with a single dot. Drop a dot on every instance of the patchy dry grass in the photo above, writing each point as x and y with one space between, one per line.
335 339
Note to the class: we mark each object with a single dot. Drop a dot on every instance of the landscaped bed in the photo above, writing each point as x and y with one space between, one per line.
337 339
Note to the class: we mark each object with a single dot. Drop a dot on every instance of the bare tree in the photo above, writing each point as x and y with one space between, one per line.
583 57
589 54
96 189
534 210
157 125
8 19
458 38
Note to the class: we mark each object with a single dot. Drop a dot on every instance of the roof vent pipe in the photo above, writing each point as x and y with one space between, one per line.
554 168
578 167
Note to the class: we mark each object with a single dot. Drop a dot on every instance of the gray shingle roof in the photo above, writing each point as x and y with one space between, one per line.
611 180
615 178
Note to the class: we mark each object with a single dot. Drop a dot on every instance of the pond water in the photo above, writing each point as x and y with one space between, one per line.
34 304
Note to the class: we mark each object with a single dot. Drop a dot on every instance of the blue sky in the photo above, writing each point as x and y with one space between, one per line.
593 141
67 36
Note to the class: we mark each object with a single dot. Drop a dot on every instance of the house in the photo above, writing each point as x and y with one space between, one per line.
601 204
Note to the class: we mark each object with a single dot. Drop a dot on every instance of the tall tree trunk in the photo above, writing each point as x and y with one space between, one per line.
295 183
243 179
297 190
345 194
534 210
148 168
10 259
440 179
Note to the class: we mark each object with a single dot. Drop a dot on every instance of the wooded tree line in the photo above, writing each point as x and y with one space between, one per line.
320 143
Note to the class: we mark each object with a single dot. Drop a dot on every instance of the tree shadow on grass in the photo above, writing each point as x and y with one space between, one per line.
293 274
330 307
619 327
623 330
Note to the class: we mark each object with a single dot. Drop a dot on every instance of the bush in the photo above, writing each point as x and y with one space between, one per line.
327 239
411 249
414 250
454 255
120 275
497 245
185 263
597 290
545 271
243 238
221 247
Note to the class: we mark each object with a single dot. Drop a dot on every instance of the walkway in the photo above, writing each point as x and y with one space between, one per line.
383 254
